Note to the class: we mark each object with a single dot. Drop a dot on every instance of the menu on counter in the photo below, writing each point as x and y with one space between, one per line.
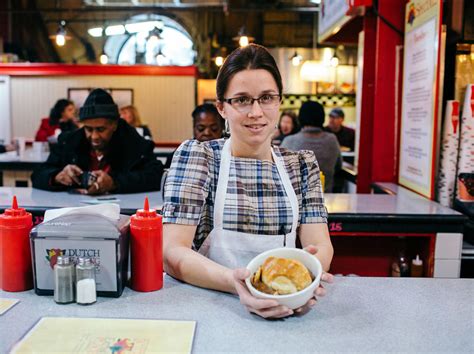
420 83
107 335
7 304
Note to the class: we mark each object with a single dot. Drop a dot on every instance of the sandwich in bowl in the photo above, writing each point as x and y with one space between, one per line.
281 276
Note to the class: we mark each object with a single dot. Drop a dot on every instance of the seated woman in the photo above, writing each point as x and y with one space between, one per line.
239 196
131 116
288 125
62 118
207 122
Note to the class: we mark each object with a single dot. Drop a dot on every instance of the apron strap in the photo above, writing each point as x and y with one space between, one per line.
290 192
223 179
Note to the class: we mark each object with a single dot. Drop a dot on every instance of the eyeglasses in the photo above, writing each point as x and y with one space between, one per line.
244 104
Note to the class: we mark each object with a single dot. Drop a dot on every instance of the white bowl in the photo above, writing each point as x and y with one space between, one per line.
299 298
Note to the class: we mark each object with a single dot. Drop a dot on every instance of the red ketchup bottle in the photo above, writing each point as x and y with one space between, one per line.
146 230
15 253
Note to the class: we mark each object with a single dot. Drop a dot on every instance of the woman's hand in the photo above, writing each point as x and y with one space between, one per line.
320 290
261 307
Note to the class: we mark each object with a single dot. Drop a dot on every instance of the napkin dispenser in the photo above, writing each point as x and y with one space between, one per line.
100 238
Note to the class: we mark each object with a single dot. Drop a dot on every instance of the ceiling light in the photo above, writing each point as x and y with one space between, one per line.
296 59
219 60
60 37
243 38
104 59
334 61
115 30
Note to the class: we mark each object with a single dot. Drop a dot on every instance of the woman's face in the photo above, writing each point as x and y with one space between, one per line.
69 113
127 115
286 125
253 127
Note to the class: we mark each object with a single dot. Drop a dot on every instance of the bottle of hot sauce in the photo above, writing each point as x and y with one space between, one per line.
15 254
146 244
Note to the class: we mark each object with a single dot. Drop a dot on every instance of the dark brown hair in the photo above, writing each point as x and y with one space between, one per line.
250 57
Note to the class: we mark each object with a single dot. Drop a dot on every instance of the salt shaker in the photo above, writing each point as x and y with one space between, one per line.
85 282
63 280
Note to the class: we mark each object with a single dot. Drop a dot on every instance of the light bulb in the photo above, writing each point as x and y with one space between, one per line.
296 60
243 41
60 39
334 61
219 60
104 59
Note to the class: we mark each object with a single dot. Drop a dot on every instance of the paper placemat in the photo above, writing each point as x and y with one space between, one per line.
7 304
107 335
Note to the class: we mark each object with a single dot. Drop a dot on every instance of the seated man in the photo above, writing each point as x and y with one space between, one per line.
118 159
345 135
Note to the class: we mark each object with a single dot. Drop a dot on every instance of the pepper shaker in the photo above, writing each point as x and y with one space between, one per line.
85 282
63 280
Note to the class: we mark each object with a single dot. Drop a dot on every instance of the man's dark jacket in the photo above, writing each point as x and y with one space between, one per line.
134 168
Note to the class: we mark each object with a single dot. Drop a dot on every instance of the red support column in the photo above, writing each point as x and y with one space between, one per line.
378 149
364 169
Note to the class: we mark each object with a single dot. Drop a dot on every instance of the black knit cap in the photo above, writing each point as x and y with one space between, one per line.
99 104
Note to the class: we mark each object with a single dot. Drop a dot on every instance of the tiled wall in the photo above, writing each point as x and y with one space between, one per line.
165 103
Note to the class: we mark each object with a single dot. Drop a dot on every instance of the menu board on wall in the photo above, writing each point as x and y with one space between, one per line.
419 123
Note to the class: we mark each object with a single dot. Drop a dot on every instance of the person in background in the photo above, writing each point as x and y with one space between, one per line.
108 151
288 125
267 198
345 135
313 137
207 123
62 118
6 148
131 116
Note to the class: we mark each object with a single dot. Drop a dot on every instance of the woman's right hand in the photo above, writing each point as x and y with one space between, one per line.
261 307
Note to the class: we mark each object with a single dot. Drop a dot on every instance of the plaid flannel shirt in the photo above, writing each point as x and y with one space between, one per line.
256 201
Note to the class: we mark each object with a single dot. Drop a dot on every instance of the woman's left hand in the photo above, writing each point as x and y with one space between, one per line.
320 290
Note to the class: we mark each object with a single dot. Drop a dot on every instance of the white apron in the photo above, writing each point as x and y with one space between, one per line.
235 249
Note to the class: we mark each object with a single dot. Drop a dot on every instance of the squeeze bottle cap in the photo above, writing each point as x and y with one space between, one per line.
417 261
15 216
146 217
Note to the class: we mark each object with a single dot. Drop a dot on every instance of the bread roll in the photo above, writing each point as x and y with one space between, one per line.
285 276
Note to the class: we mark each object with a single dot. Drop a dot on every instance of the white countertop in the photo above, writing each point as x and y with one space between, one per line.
37 198
336 203
358 315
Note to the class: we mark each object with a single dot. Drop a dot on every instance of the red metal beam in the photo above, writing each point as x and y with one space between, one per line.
364 169
385 120
47 69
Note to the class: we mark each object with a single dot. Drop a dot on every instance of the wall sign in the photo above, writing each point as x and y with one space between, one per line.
418 136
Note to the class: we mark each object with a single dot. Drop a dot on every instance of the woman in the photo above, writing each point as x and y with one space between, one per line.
231 203
207 123
131 116
288 125
61 118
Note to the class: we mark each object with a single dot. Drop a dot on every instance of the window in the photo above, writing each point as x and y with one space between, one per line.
136 46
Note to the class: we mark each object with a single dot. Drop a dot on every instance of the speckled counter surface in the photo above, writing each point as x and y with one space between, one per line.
358 314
